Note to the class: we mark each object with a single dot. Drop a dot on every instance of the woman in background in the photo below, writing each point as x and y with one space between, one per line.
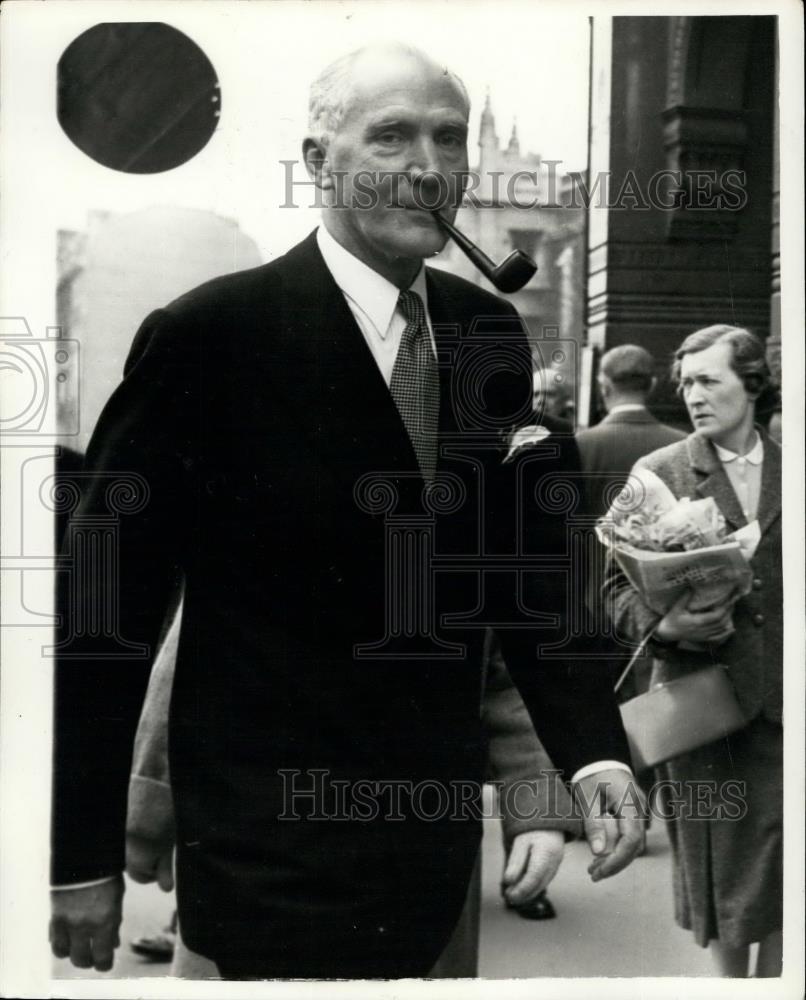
727 850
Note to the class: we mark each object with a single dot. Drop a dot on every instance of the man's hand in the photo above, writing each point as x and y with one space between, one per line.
614 812
84 924
150 861
533 861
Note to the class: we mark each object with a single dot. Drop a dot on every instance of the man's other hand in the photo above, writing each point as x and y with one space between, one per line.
533 861
614 812
84 924
150 861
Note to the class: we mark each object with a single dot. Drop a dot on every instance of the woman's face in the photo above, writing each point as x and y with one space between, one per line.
718 404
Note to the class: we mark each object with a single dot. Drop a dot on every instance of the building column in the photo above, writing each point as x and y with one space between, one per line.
680 182
774 340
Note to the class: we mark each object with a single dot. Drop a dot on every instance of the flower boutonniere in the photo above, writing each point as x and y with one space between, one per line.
525 437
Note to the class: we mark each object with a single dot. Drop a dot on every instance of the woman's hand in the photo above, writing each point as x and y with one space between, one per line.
713 626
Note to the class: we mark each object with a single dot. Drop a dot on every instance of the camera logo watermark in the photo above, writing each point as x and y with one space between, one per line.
38 375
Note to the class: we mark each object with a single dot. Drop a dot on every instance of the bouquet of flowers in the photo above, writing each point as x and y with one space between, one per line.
667 546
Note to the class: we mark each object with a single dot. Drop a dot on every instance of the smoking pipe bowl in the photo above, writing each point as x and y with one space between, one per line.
509 276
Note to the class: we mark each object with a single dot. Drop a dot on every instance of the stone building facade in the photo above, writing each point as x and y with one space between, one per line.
123 266
518 201
683 116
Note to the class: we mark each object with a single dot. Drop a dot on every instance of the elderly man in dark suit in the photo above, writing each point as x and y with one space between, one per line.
319 446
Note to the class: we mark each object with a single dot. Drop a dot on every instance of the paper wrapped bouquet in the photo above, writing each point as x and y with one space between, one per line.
667 546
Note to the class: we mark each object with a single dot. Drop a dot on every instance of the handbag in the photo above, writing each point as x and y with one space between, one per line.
677 716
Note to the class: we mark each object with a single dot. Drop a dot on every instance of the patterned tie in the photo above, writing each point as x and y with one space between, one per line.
415 384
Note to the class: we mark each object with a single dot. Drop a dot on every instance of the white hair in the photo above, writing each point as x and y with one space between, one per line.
330 91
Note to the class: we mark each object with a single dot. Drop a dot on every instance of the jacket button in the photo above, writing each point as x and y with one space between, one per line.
758 619
756 584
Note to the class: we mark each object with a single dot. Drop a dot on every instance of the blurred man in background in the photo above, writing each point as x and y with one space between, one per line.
552 395
629 431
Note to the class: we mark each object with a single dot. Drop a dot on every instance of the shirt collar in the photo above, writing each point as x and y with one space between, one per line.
370 291
755 456
626 408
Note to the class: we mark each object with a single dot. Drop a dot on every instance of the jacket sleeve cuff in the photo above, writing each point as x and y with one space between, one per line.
600 765
83 885
150 812
529 805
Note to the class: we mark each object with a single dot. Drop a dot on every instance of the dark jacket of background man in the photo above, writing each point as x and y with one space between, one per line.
610 449
608 452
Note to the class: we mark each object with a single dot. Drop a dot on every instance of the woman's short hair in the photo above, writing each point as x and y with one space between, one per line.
748 355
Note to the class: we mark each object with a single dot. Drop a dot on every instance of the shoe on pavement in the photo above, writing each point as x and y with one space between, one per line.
158 947
540 908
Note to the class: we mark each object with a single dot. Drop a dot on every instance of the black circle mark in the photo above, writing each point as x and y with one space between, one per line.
140 97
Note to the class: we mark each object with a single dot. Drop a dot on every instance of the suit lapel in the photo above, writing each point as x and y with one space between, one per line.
357 409
769 502
712 480
445 317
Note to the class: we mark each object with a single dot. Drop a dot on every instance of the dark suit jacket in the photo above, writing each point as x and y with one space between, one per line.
611 448
253 411
516 758
754 653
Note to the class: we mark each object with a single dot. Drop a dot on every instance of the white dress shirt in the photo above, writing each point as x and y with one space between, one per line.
373 301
